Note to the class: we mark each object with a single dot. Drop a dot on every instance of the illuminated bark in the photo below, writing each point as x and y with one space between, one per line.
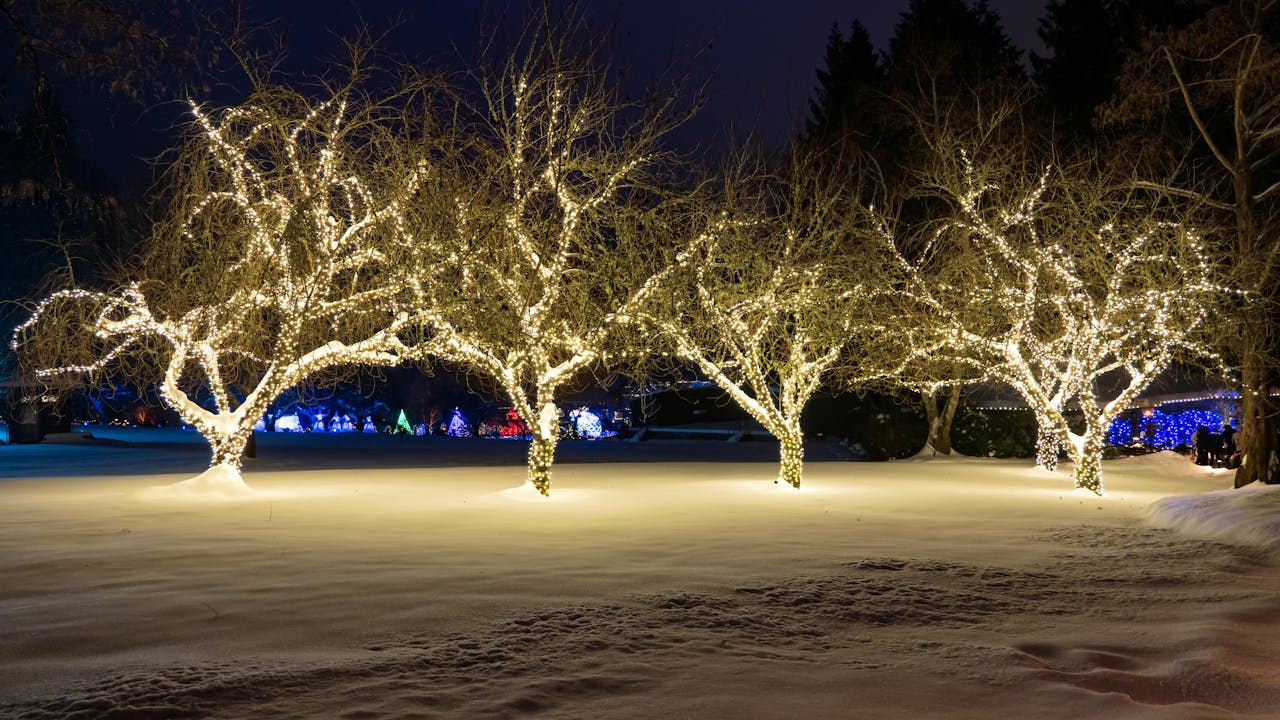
791 456
543 259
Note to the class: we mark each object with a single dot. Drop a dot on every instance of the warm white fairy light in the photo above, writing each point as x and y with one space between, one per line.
763 325
529 235
1054 310
292 207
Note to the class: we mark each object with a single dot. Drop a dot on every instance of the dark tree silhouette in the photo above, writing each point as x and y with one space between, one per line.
843 107
1088 41
943 47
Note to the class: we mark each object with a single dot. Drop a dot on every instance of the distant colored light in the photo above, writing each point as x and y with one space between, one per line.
586 423
1169 429
402 425
513 427
458 425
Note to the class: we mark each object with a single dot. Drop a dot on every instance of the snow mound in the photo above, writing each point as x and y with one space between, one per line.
929 453
1249 516
220 482
527 493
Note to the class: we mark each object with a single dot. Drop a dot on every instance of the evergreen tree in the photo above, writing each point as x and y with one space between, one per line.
948 64
55 215
943 48
950 67
843 106
1088 41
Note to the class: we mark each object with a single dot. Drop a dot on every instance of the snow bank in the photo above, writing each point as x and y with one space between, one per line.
1249 516
218 482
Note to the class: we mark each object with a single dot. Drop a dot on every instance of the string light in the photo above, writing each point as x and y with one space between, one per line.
532 296
1169 429
457 426
759 315
308 241
586 423
1054 309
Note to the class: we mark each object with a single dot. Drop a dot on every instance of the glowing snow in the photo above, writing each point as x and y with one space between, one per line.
527 493
407 558
218 482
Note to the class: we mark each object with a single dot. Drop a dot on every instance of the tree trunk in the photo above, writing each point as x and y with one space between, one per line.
1255 440
542 451
931 414
222 479
229 448
930 399
941 432
1257 329
791 456
1086 457
1047 445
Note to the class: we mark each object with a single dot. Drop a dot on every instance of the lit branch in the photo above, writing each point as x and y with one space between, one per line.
1062 289
282 260
540 282
762 302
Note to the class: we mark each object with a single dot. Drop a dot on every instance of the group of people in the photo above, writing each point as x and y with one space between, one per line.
1216 449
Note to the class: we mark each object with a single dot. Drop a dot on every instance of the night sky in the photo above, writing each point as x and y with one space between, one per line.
758 59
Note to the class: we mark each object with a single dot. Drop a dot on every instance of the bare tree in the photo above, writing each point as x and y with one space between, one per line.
1056 284
279 259
1223 71
767 298
539 278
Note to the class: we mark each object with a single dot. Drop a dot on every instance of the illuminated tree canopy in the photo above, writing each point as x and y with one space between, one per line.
528 226
281 258
538 279
1066 289
766 297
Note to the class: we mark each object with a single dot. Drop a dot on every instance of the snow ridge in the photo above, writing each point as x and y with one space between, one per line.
1249 516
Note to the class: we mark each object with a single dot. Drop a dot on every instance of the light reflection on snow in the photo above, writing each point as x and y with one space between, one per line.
526 493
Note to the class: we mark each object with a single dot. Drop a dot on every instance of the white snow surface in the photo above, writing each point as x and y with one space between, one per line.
1244 516
218 482
389 577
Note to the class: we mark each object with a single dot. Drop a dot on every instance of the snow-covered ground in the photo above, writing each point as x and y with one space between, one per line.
384 577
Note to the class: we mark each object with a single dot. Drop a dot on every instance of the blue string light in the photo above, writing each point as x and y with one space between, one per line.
1171 428
458 425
